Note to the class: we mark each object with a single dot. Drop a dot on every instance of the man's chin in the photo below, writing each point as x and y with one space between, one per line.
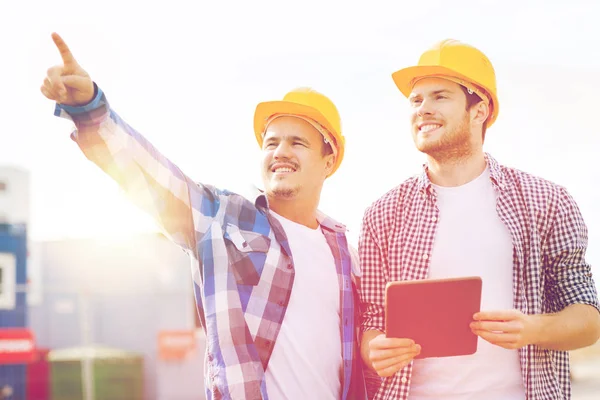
426 148
282 191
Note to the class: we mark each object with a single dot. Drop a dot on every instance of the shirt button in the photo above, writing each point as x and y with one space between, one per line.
433 219
290 266
403 380
425 256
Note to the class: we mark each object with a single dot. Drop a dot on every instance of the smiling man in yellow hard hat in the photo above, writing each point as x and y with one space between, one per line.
274 278
468 215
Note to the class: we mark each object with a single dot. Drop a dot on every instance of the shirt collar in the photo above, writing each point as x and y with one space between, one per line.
496 175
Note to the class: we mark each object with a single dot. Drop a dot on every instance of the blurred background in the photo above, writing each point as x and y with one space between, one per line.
94 302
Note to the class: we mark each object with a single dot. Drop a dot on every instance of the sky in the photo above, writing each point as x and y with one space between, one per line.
189 75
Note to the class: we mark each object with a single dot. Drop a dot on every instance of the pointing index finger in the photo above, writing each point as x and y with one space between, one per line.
62 47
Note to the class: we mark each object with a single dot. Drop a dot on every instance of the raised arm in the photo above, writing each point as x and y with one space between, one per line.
149 179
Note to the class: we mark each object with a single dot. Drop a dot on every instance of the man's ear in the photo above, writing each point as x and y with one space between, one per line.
330 163
480 112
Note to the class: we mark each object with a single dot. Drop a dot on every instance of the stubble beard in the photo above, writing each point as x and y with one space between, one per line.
283 191
453 146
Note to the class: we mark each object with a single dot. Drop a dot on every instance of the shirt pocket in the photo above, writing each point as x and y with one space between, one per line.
247 252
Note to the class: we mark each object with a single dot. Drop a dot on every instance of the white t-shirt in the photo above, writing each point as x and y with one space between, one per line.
472 240
306 362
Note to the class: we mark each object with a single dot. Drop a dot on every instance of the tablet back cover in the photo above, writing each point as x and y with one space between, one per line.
436 314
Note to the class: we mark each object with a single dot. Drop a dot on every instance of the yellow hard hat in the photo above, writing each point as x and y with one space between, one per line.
307 103
458 62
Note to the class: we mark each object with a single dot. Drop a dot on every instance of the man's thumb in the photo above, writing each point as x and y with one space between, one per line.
76 82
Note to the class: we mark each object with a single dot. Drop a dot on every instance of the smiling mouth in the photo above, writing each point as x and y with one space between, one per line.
426 128
283 170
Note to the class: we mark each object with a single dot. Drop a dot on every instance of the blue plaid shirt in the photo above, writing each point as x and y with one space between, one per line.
243 270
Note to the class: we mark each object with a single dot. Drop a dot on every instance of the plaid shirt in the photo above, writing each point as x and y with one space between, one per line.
243 269
550 271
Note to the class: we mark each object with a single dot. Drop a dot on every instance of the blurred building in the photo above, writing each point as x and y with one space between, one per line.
15 197
17 343
132 294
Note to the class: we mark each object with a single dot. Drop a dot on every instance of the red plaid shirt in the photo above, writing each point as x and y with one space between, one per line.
550 271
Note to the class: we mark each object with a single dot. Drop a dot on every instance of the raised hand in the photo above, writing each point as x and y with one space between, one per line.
68 83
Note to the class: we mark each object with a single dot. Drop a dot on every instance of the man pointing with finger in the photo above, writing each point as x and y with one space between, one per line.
468 215
274 278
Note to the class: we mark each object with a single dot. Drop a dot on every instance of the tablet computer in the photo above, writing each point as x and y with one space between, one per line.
435 313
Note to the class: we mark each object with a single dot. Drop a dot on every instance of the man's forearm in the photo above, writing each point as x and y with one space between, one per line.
150 180
576 326
364 346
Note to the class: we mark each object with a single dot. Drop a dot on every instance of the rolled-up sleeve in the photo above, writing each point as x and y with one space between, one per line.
372 286
569 276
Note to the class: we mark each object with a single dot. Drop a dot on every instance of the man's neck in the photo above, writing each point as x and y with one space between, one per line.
303 213
457 171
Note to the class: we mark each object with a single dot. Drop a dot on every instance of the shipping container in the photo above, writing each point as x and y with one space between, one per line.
38 377
16 342
113 374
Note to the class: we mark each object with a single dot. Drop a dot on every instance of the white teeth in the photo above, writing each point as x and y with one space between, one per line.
429 127
284 169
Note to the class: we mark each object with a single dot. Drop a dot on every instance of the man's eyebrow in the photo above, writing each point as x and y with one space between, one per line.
434 93
299 139
270 139
292 138
442 91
